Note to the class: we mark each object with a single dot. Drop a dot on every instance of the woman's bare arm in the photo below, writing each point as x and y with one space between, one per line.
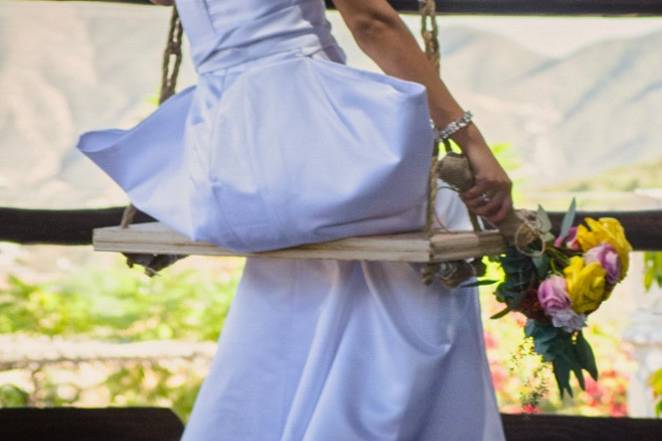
383 36
163 2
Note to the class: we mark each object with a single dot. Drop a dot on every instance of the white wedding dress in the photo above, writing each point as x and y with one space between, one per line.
280 143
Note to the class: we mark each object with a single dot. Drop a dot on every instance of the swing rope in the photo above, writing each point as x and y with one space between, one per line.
450 273
429 31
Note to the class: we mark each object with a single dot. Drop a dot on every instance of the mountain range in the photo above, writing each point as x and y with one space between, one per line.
70 67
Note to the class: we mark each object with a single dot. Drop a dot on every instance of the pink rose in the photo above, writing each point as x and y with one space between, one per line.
553 294
608 258
569 240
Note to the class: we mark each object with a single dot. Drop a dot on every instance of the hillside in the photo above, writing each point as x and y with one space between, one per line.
647 174
71 66
81 66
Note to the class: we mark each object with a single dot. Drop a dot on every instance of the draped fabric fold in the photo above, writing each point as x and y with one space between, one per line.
295 150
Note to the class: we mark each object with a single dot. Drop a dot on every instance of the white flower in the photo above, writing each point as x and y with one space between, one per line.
567 319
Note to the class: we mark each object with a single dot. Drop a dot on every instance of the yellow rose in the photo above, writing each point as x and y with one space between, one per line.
586 285
605 230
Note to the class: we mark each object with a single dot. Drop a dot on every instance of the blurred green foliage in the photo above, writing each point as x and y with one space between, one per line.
13 396
653 275
118 303
656 384
123 305
652 269
625 178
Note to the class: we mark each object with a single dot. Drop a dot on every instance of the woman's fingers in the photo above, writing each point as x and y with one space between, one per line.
490 204
478 201
487 206
477 190
501 215
487 185
490 196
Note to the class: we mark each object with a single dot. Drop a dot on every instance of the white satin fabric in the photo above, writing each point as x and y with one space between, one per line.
275 150
281 143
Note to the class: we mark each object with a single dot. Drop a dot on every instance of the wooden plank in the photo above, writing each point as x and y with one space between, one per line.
455 246
29 226
157 238
160 424
576 428
105 424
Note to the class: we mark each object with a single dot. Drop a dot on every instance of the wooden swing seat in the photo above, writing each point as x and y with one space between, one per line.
429 246
441 246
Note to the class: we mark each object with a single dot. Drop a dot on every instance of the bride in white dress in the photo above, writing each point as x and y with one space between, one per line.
316 350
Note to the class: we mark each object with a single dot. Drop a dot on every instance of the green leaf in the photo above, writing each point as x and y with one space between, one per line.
562 375
568 218
13 396
585 356
532 328
546 223
652 269
514 299
572 361
541 263
479 283
501 313
648 280
548 340
655 382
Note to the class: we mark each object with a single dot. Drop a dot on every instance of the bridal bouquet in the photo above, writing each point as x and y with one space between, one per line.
557 285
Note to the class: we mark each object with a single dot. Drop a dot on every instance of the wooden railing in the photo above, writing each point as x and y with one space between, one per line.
161 424
522 7
74 227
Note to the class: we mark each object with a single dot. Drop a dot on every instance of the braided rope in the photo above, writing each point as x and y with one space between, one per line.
430 30
450 273
172 57
429 33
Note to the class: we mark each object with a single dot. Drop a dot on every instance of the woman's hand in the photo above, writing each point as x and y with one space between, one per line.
383 36
490 196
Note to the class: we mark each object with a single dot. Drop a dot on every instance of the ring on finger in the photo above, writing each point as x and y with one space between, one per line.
485 198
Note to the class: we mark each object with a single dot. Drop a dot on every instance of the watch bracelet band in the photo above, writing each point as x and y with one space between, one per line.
452 127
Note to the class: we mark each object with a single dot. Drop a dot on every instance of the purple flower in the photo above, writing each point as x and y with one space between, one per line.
553 294
569 240
608 258
568 319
